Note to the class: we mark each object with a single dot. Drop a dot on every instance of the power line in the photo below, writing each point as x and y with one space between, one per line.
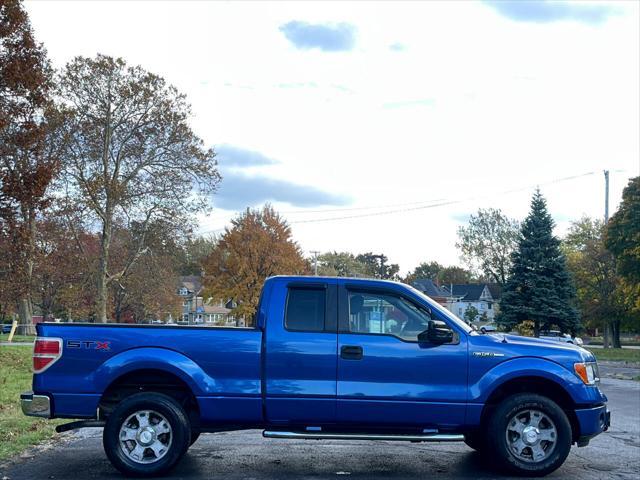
370 207
419 204
344 209
449 202
392 205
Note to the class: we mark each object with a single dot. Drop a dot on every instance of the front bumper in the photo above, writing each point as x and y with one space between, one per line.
592 421
35 405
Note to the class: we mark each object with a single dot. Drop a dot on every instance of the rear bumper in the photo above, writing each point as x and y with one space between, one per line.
592 421
35 405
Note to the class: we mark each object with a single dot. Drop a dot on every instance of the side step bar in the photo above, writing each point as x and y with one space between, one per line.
65 427
432 437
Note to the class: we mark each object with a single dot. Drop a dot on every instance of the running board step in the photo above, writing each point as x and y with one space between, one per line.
432 437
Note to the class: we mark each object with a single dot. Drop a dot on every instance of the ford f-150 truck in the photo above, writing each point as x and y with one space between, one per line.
328 358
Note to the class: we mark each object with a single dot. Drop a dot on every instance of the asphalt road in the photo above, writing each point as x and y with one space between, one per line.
246 455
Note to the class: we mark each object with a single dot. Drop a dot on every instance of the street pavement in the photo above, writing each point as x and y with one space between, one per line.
246 455
621 370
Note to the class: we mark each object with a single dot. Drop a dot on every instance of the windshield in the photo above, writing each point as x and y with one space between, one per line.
445 313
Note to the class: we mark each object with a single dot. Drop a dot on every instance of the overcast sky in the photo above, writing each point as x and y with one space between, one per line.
381 126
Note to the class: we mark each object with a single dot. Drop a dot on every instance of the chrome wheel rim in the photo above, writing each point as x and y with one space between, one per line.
531 436
145 436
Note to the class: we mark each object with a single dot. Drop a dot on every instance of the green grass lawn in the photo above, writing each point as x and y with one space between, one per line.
17 338
616 354
17 431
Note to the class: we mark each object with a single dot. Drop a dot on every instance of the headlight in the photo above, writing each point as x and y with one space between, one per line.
588 372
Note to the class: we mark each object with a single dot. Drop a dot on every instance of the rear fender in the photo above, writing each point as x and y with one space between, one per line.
151 358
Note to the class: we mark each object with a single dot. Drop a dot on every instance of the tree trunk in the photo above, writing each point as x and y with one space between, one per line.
615 334
605 336
536 328
102 293
117 306
25 305
25 313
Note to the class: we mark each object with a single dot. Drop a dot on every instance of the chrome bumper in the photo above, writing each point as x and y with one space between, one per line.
35 405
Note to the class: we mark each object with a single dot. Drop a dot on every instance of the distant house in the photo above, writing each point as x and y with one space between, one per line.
197 311
457 298
430 289
479 296
190 288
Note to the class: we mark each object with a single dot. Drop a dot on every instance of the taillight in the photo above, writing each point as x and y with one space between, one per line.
46 351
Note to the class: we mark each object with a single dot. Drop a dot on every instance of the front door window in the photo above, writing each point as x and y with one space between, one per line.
384 314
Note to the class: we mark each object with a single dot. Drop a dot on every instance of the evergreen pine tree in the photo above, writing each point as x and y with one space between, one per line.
539 287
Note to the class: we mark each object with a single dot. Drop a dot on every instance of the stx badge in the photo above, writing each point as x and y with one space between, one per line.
89 345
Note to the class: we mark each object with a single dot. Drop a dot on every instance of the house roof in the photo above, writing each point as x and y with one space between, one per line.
215 309
496 290
426 286
469 292
193 283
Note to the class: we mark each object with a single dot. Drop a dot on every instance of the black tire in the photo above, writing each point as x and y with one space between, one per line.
476 440
180 434
195 434
483 330
497 435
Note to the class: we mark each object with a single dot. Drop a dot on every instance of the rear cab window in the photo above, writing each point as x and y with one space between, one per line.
306 309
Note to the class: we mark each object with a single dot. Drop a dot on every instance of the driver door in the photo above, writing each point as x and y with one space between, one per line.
386 377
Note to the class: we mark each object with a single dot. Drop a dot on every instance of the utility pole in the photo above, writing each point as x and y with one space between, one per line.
606 196
605 338
315 262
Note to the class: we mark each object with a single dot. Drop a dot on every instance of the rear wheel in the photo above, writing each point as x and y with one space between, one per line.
146 434
195 434
529 434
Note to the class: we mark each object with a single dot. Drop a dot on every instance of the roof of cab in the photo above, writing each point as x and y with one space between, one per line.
312 278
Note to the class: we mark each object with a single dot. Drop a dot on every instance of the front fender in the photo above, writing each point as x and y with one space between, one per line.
152 358
580 393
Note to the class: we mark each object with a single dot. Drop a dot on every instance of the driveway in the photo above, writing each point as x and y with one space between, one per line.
245 455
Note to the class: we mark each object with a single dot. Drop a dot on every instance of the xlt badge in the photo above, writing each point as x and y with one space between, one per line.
487 354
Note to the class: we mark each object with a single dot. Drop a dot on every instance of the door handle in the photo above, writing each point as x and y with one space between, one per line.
351 352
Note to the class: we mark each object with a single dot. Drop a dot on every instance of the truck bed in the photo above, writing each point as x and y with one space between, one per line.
221 365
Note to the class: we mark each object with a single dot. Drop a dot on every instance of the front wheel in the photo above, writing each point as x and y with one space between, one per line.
475 440
529 434
146 434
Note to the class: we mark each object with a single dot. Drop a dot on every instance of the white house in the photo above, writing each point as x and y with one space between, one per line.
458 298
484 297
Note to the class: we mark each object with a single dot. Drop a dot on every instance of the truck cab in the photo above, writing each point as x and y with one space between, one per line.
328 358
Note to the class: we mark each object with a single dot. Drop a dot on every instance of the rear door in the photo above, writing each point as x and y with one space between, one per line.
300 353
385 375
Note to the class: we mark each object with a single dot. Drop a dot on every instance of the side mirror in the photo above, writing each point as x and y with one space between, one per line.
437 333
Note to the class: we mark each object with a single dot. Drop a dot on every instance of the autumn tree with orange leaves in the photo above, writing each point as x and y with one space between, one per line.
258 245
29 147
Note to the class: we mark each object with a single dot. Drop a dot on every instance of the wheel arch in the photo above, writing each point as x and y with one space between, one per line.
153 358
153 370
149 380
534 384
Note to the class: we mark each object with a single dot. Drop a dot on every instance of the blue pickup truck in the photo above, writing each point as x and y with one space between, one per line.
328 358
